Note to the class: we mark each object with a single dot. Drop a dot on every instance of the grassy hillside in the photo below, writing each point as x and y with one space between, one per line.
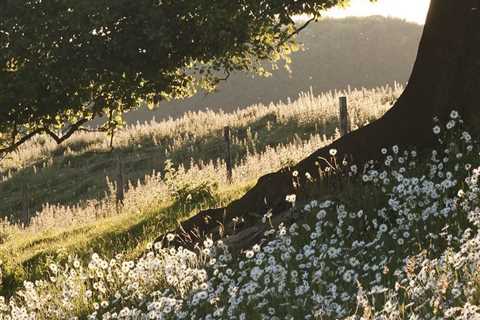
70 189
398 241
76 171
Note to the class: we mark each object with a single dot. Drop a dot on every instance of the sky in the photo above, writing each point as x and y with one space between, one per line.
411 10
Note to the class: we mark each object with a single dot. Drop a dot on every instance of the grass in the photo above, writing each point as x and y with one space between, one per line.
407 248
398 240
26 255
43 172
71 187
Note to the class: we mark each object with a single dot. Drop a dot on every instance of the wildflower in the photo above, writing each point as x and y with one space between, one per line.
321 215
291 198
295 173
333 152
170 237
383 228
450 124
249 254
436 130
354 169
53 267
208 243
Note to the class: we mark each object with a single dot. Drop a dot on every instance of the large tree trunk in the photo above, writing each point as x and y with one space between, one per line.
446 76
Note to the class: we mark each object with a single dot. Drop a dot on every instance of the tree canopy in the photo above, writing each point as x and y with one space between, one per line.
65 62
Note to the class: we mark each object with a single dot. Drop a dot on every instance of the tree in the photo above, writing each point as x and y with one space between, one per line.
446 76
65 62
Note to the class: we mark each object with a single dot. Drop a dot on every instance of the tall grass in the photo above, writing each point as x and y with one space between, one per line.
74 183
407 248
71 188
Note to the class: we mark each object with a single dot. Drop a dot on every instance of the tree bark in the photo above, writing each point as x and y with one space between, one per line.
446 76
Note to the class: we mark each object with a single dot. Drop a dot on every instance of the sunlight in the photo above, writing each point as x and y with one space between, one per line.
410 10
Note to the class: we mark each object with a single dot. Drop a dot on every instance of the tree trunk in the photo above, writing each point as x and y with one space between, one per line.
446 76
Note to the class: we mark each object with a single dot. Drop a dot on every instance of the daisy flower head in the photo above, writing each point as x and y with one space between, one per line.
454 114
291 198
450 124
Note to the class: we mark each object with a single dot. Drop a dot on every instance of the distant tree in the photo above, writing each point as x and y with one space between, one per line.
65 62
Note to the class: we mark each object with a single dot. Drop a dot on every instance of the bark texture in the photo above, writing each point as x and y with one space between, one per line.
446 76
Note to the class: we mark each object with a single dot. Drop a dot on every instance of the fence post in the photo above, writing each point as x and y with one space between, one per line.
228 154
345 126
25 205
120 196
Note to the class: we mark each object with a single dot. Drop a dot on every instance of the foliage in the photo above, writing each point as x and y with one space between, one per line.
63 63
187 194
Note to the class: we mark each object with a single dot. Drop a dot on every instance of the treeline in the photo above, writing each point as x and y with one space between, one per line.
360 52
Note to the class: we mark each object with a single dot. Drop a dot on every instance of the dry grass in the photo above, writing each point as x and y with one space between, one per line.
264 139
70 188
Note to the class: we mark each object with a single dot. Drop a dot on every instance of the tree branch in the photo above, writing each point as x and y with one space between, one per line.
74 127
297 31
15 144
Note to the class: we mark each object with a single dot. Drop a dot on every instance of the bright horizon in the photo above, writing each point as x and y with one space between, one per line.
410 10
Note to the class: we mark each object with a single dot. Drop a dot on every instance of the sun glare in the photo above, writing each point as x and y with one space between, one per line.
411 10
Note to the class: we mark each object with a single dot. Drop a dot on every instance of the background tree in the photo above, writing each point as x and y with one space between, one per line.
65 62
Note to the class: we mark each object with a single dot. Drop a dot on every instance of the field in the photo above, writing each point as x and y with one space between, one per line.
398 242
71 187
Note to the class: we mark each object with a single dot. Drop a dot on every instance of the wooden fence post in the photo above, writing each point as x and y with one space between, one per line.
25 205
228 154
345 126
120 196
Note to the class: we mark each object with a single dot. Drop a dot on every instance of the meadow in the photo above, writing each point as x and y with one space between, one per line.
70 188
398 241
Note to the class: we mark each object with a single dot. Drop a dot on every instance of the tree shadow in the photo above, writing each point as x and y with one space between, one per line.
70 178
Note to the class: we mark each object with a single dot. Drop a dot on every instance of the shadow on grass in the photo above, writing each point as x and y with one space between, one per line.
46 250
70 179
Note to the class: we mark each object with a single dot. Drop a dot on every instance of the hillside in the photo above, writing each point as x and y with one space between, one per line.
357 52
75 172
67 192
396 240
